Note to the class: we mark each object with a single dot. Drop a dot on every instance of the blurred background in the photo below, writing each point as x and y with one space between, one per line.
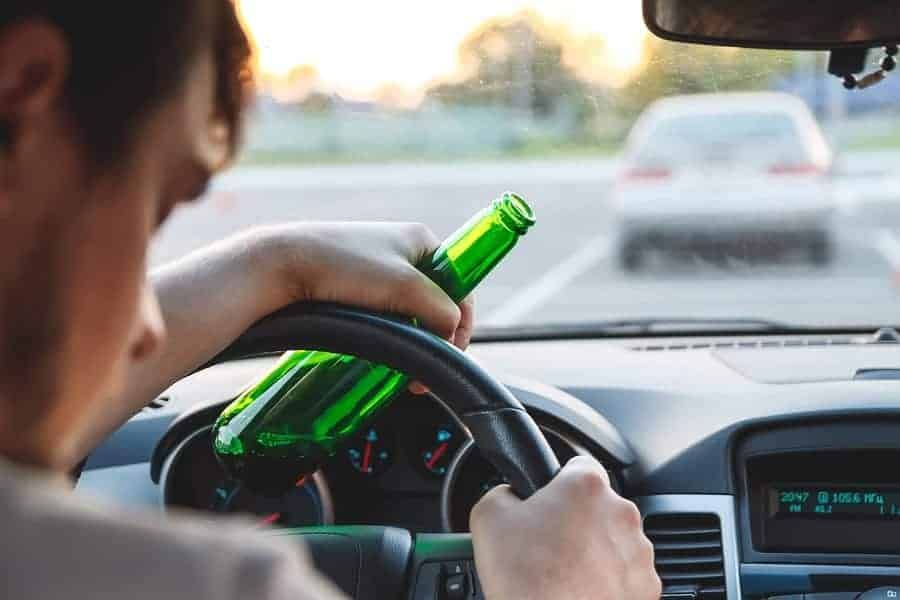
403 110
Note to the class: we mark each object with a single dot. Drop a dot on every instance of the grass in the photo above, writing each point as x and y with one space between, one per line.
891 141
538 149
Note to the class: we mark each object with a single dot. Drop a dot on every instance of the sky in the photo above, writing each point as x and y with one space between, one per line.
358 46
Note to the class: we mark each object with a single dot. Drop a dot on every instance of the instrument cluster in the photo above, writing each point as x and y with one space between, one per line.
413 467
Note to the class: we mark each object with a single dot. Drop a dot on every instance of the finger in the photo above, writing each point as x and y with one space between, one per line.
418 241
583 472
420 297
463 334
424 298
497 501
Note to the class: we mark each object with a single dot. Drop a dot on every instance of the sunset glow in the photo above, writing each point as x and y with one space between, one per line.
358 47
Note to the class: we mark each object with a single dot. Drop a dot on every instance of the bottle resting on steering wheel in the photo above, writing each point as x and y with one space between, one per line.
298 414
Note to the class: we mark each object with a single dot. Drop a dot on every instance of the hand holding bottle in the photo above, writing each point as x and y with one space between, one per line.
311 402
371 265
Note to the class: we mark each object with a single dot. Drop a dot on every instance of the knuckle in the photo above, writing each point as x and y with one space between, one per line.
644 584
421 234
630 515
590 482
647 551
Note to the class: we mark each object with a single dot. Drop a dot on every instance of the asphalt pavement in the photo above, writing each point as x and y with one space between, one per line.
565 268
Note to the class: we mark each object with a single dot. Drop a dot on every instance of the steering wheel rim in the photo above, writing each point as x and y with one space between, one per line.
501 428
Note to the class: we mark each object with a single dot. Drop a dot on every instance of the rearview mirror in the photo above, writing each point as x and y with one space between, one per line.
779 24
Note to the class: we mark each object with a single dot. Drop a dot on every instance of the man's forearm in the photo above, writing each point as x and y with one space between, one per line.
207 300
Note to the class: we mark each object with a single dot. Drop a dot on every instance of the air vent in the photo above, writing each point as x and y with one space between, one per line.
688 554
762 343
157 403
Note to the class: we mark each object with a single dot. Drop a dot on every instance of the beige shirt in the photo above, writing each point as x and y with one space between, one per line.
56 545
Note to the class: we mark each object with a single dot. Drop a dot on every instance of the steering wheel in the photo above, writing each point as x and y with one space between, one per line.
387 563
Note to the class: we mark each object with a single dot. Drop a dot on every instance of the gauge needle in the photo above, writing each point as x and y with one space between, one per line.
436 455
367 456
269 519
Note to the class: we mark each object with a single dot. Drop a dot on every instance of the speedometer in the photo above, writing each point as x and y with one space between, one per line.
192 478
301 506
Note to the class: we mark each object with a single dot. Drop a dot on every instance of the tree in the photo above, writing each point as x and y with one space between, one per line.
518 64
671 68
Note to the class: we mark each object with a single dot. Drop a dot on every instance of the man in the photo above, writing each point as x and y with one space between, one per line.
108 119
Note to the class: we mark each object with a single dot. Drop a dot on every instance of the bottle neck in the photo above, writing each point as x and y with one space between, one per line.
468 255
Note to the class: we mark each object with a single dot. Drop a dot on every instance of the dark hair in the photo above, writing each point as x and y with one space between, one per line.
128 56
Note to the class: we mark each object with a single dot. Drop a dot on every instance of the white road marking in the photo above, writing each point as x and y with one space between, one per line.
550 283
889 246
293 178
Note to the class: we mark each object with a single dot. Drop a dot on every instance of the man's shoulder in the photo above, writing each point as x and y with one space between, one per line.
57 544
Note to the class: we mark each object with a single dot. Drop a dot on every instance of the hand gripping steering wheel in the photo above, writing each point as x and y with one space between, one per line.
387 563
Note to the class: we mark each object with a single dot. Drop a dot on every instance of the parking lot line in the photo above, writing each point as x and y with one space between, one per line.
888 246
532 297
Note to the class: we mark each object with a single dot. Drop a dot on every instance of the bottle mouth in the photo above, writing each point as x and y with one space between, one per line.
514 212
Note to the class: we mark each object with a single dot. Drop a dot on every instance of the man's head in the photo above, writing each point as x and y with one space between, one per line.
110 115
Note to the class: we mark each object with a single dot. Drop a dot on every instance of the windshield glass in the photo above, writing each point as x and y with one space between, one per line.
668 180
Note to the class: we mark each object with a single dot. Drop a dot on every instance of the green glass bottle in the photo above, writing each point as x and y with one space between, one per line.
298 414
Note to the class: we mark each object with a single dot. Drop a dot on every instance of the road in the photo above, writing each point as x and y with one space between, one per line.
565 269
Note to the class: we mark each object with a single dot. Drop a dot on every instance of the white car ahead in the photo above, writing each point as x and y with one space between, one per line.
725 175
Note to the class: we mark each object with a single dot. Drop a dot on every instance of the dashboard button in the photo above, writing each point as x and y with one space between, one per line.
888 592
455 568
456 587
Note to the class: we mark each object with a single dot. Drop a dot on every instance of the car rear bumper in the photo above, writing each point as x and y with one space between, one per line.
727 223
756 241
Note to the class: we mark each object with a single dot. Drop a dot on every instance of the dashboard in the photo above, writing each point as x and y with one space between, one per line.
765 467
414 466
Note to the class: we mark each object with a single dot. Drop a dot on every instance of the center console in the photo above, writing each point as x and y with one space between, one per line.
819 509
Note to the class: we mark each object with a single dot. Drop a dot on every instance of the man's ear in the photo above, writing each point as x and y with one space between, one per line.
34 64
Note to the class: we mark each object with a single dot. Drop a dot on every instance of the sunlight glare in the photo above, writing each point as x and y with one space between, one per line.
359 47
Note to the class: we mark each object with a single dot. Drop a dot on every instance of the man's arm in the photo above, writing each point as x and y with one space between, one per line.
213 295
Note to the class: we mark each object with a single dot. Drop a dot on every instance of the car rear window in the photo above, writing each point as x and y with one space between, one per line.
745 137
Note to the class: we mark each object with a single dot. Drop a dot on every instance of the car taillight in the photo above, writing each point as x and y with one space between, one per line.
796 169
646 173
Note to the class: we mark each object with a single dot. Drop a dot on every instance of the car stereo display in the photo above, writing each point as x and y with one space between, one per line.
836 501
824 501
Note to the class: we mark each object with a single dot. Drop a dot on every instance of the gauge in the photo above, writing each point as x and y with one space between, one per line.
193 478
372 452
301 506
438 448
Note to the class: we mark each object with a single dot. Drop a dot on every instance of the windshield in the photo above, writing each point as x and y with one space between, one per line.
669 181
